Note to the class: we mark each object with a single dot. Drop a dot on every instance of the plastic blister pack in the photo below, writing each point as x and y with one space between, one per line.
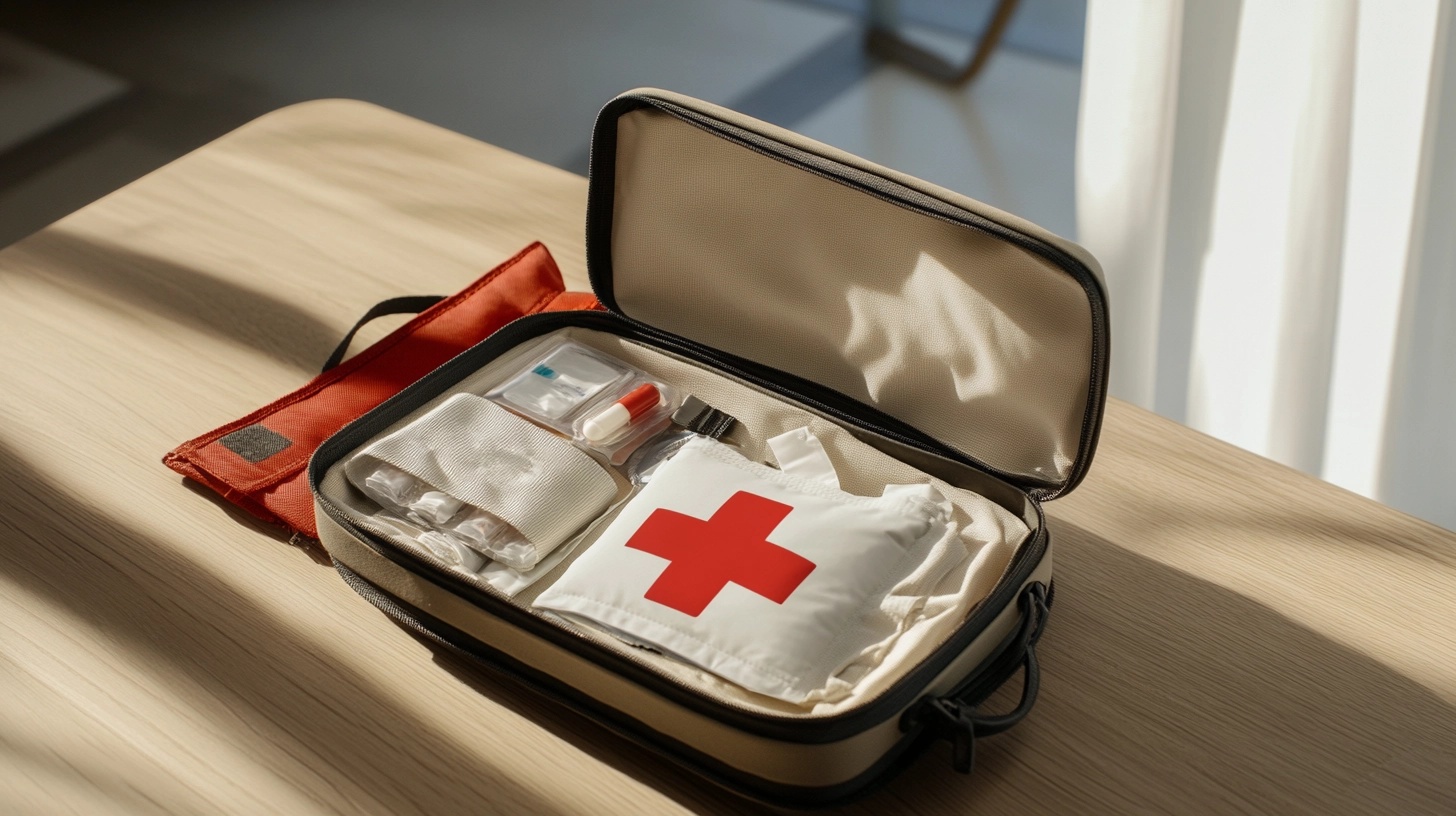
457 533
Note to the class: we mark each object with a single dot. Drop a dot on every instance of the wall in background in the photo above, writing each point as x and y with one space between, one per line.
529 75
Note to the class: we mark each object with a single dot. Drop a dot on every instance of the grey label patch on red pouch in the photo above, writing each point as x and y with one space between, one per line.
255 442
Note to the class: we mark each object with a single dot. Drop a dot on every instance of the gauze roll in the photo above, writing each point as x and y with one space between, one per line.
758 575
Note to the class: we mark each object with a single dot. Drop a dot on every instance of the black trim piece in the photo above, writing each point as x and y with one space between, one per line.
909 748
600 210
819 730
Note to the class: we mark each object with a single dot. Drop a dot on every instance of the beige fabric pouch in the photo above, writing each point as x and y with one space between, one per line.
489 459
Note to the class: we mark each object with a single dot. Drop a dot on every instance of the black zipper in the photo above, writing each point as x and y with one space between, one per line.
600 207
827 729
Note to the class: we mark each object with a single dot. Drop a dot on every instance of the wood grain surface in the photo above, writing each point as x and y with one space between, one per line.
1229 636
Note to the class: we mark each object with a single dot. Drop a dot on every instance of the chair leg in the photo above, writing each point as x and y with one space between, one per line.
882 40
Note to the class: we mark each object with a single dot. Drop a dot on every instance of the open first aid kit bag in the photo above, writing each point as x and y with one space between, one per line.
775 513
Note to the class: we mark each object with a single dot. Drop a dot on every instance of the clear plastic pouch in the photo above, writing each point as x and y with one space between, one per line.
554 388
603 404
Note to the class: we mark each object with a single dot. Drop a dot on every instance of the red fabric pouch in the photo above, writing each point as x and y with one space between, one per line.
259 462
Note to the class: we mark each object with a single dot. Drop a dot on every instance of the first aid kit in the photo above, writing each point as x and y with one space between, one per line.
776 513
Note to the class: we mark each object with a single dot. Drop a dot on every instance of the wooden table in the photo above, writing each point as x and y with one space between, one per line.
1229 636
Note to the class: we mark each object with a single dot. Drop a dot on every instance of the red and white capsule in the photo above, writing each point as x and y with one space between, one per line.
607 423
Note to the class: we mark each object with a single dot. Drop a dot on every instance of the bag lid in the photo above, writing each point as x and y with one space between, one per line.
979 329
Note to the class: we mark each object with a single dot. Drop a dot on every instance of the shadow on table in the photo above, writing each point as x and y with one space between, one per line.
163 610
123 279
308 546
1164 693
1161 691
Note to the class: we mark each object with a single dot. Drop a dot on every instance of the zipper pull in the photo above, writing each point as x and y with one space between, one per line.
953 721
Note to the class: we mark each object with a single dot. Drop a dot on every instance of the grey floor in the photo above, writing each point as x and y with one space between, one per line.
530 76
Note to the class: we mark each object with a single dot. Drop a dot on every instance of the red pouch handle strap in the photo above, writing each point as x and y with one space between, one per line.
408 304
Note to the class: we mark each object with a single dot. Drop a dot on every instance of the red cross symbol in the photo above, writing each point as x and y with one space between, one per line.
732 546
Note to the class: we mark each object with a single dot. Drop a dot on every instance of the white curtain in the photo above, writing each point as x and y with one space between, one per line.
1271 189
